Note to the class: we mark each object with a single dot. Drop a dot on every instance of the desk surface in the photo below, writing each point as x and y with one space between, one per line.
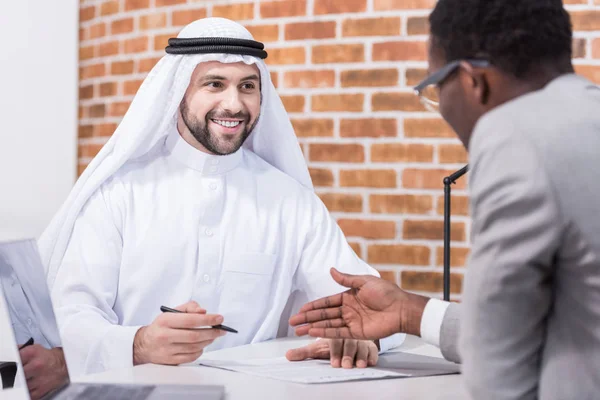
240 386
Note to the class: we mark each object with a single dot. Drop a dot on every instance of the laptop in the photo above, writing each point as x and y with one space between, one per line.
25 297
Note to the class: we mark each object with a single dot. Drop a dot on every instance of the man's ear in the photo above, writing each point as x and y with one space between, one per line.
476 82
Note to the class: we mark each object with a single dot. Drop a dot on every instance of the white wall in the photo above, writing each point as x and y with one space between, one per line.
38 112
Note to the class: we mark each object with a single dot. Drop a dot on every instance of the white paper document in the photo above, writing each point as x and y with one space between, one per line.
310 371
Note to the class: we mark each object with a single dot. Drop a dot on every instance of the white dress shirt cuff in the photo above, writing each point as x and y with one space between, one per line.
391 342
431 322
119 347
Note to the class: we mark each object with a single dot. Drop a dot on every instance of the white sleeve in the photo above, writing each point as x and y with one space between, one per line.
325 247
85 291
431 322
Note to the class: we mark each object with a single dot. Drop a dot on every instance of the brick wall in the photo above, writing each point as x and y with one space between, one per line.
344 69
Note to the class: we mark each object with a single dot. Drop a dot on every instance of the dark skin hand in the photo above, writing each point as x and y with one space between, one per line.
45 370
372 309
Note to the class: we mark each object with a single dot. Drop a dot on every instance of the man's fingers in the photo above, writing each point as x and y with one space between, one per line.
185 358
373 355
329 323
190 321
184 336
336 352
325 302
191 307
362 354
301 353
331 333
316 315
350 349
189 348
29 353
349 281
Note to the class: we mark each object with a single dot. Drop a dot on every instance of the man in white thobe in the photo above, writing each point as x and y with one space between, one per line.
180 209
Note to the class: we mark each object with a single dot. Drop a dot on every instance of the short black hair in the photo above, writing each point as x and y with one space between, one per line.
514 35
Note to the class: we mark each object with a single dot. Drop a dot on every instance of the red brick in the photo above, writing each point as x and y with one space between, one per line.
368 229
339 6
459 205
107 89
118 109
81 168
119 26
321 176
427 128
338 102
400 204
146 64
452 154
400 51
87 13
309 79
432 230
401 152
590 72
313 127
236 12
109 7
121 68
97 30
371 27
428 179
338 53
92 71
274 78
108 48
86 92
277 9
293 103
102 130
596 48
131 87
184 17
588 20
163 3
579 45
137 45
342 202
458 256
368 127
136 4
396 102
310 30
83 34
264 33
375 178
422 281
398 254
161 41
386 5
389 276
97 111
418 26
86 53
370 77
89 150
154 21
81 112
85 131
356 247
286 55
414 76
352 153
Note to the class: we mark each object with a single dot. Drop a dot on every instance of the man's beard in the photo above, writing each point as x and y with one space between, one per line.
208 139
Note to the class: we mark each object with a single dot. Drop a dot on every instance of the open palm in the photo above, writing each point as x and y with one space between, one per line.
372 309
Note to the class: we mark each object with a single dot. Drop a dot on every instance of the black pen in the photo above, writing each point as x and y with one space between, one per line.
221 327
27 343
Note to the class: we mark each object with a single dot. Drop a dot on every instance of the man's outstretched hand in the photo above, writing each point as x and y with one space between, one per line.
372 309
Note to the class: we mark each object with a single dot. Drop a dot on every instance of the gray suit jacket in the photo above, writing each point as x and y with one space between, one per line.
530 322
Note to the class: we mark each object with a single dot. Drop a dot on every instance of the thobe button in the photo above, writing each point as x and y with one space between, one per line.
29 321
214 162
213 186
206 278
208 232
213 169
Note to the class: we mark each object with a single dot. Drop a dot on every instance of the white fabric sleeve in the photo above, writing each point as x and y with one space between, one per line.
85 291
325 246
431 322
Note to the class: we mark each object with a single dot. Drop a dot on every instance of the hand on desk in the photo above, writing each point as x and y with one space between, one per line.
372 309
173 338
345 353
45 370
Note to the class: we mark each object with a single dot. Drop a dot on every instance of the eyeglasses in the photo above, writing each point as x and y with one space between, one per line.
429 89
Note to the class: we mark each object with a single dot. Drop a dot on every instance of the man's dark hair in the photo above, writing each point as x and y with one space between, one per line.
514 35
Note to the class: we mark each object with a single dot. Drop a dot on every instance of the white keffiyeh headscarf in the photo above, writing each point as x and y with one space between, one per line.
153 115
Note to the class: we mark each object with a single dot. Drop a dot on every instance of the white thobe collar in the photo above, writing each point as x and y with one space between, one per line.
200 161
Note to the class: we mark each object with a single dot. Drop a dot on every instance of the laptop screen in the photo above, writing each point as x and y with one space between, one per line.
27 320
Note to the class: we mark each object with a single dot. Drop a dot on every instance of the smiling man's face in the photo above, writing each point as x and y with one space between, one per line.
221 106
